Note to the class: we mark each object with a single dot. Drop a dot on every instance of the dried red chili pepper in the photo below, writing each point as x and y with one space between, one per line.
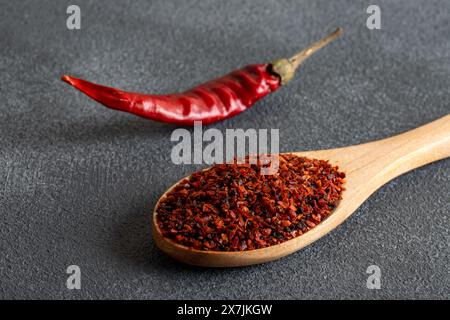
210 102
232 207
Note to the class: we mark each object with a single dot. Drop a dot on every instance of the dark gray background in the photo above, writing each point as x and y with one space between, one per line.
78 182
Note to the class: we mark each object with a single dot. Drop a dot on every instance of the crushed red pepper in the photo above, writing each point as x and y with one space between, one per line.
232 207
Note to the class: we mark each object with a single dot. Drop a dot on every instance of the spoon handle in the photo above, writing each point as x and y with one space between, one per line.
415 148
375 163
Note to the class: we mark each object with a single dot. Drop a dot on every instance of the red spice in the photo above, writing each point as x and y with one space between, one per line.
232 207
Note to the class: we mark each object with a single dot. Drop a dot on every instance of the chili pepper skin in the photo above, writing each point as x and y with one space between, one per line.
212 101
209 102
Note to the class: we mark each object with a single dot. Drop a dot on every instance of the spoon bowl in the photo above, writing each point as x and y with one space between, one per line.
367 167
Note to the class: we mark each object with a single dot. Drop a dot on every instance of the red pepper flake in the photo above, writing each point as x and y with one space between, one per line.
232 207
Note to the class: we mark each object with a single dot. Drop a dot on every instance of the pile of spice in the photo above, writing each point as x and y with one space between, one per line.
232 207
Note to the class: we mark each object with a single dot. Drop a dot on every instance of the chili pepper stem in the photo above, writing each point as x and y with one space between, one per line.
298 58
286 68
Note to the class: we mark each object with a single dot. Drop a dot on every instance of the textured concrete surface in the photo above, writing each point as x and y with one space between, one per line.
78 182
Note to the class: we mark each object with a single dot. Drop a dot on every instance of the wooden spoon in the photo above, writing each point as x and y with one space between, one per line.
367 167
